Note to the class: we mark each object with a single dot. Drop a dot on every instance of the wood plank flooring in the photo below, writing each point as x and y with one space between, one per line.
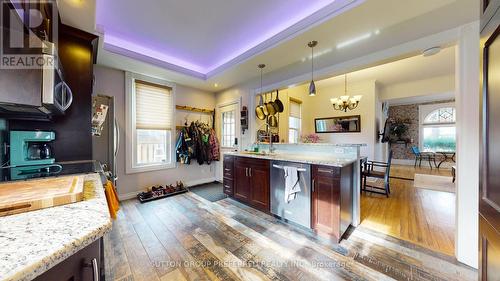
421 216
186 237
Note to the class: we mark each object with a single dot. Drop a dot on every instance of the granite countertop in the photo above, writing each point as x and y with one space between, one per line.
33 242
325 144
299 158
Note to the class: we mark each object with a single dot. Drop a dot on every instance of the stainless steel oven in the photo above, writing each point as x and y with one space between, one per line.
54 98
56 94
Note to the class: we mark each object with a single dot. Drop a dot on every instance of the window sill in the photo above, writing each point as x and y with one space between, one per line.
150 168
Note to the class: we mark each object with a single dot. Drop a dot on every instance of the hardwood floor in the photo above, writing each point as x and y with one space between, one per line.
186 237
421 216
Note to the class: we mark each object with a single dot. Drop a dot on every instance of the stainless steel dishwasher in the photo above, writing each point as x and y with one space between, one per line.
298 210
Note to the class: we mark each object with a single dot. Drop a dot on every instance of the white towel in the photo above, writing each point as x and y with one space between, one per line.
291 183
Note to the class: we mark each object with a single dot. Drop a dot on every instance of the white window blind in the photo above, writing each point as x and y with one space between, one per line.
294 109
154 107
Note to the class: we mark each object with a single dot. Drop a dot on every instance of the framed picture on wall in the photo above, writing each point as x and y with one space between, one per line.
341 124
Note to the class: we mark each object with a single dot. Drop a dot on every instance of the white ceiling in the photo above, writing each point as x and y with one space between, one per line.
405 70
382 24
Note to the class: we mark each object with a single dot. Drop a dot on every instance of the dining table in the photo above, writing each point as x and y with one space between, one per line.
446 155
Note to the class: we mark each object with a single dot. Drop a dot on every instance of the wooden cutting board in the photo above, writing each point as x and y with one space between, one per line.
23 196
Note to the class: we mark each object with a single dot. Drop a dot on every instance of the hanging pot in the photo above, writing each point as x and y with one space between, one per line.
272 121
259 110
279 104
271 108
275 105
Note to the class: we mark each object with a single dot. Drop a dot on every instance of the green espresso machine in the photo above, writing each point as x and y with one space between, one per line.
28 148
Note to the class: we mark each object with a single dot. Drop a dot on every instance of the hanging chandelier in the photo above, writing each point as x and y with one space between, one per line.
312 86
345 102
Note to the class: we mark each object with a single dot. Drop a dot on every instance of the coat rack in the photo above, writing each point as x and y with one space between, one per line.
194 109
197 110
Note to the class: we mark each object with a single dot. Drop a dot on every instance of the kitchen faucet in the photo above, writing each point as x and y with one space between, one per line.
272 149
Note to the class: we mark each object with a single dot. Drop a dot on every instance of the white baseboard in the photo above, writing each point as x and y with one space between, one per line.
133 194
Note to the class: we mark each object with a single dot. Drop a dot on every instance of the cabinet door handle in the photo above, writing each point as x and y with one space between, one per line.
95 268
250 171
246 172
325 171
314 183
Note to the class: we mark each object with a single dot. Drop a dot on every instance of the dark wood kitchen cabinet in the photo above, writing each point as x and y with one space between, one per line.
251 182
241 180
81 266
331 204
228 174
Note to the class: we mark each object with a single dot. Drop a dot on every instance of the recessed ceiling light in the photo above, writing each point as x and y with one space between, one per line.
431 51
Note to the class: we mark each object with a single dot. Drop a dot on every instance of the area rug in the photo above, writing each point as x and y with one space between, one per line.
211 191
439 183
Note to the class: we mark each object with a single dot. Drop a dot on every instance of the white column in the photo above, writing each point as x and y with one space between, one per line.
468 117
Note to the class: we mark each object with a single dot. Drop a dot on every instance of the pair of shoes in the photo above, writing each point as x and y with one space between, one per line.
145 195
179 186
157 188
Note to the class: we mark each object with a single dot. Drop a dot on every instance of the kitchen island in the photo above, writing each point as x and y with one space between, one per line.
35 243
325 203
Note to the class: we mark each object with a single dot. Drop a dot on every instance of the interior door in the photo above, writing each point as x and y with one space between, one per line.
489 195
228 120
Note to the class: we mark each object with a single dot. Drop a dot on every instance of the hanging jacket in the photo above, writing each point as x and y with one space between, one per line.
214 146
181 148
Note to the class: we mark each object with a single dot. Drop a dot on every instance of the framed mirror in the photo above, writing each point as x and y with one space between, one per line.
341 124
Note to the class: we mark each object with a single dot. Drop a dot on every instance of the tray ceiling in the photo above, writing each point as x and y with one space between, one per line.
202 38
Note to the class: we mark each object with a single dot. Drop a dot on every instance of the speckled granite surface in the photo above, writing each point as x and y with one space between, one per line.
307 159
33 242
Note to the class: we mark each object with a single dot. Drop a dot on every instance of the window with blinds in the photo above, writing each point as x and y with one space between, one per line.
153 108
294 120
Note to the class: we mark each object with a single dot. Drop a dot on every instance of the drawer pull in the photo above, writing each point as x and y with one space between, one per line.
227 169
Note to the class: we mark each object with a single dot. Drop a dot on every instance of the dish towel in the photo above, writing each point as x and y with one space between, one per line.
112 198
291 183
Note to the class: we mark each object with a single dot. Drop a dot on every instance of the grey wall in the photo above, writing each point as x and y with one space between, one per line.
111 82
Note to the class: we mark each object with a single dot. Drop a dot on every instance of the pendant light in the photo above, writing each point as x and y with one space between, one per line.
312 86
345 102
259 109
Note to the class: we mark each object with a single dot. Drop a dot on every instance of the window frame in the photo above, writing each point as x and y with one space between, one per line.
220 109
426 109
222 143
131 131
299 130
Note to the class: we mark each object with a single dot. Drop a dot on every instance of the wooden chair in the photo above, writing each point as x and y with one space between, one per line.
370 172
429 156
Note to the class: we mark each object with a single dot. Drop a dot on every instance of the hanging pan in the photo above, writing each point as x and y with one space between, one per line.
272 121
259 110
279 104
270 106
